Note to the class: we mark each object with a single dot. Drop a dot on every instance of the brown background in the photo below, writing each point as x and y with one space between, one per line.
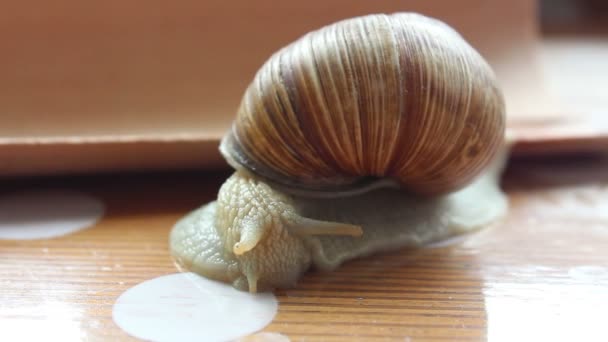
115 85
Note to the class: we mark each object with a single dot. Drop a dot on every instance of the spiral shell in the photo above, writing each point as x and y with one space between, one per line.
399 96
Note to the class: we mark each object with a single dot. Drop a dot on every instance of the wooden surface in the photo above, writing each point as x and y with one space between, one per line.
540 275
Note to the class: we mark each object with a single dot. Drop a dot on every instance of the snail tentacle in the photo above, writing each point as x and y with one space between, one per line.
252 282
303 226
251 234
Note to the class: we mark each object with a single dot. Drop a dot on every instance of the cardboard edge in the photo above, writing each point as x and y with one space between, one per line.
34 157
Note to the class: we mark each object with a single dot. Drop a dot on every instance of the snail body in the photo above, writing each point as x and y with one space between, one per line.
393 116
286 235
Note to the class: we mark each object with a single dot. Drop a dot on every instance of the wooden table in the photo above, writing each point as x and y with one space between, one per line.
540 275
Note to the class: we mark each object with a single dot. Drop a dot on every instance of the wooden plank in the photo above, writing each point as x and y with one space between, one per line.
529 277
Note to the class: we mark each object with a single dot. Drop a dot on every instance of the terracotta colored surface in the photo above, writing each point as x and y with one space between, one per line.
118 68
571 119
541 275
81 83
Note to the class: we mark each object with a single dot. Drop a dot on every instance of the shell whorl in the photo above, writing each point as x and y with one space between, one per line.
398 96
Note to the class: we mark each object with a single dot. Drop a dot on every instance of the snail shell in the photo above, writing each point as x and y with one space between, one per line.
383 97
399 96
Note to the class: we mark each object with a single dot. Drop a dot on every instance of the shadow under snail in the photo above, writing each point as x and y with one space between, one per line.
368 135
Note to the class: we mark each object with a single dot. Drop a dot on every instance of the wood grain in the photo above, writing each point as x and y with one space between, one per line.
541 274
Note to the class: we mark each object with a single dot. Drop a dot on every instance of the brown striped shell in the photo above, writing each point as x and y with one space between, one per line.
399 96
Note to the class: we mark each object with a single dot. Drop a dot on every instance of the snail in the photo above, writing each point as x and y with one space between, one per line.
368 135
